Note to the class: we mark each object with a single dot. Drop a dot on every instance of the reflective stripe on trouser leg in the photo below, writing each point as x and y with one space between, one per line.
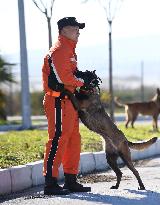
55 140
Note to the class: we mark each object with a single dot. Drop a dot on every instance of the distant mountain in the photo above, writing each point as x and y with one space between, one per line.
127 57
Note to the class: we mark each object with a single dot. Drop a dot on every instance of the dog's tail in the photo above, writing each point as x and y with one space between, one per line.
116 100
142 145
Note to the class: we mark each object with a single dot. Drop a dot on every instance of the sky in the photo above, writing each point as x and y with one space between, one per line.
136 19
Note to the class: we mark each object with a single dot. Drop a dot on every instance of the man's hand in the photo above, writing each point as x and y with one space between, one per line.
78 89
82 88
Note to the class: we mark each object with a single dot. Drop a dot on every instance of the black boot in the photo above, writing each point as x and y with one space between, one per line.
72 184
52 188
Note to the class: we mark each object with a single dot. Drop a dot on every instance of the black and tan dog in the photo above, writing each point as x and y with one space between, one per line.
93 115
151 108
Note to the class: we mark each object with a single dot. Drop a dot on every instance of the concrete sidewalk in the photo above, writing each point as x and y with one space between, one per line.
127 194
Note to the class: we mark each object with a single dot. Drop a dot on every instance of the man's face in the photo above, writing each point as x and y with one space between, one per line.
71 32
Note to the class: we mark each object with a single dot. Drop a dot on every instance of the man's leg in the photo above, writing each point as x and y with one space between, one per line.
53 152
72 151
71 159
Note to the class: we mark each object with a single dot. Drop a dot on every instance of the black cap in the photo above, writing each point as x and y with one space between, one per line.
69 21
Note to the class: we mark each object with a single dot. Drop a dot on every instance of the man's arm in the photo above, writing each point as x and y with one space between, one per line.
62 63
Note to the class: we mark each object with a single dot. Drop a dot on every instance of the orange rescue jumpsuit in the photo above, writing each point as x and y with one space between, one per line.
64 142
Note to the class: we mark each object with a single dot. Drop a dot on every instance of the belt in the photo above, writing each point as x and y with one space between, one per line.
55 94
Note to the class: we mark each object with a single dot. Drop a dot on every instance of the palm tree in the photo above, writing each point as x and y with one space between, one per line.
5 77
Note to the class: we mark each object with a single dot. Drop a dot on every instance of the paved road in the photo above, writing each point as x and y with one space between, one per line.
40 122
118 117
127 194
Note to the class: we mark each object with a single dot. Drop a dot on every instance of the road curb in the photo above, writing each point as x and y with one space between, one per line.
87 162
22 177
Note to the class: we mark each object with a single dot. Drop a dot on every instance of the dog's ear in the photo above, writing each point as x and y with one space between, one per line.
158 91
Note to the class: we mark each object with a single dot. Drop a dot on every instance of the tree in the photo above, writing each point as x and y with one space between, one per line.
5 74
5 77
110 7
47 11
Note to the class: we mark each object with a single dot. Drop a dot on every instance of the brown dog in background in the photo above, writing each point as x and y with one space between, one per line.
151 108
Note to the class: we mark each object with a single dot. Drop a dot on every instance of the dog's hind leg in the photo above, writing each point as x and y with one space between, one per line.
155 125
126 124
133 120
112 161
126 157
127 115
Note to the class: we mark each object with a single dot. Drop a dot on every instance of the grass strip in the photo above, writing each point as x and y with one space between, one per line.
21 147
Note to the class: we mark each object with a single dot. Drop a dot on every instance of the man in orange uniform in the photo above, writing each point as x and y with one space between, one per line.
64 142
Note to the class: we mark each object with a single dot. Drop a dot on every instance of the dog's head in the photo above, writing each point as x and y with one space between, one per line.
156 98
91 80
89 93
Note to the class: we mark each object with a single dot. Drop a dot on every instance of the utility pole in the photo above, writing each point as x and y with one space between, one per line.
25 95
110 72
142 81
10 95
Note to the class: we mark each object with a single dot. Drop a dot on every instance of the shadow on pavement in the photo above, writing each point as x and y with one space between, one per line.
139 197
